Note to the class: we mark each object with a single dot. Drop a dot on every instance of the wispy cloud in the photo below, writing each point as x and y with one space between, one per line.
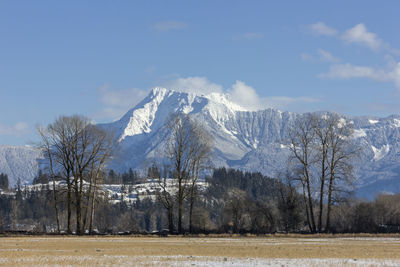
116 101
197 85
17 129
321 28
239 93
247 97
249 36
307 57
321 56
360 35
327 56
165 26
349 71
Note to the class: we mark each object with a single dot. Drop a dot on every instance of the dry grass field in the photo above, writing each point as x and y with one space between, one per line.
200 251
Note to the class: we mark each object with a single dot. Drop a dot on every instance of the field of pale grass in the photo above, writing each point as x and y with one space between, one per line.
200 251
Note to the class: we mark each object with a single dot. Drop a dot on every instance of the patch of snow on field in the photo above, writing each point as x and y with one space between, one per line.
180 260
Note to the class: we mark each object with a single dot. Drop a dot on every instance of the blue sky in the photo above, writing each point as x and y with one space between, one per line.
99 58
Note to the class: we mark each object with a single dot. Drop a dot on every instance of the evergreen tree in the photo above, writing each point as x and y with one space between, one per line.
3 181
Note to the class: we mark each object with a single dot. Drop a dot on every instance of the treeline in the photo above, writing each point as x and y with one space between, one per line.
312 194
111 177
234 202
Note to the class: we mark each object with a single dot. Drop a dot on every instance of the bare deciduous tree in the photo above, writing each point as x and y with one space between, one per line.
322 152
341 153
164 194
79 150
302 136
188 148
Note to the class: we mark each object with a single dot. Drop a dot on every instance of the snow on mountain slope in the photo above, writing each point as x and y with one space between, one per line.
19 162
254 141
248 140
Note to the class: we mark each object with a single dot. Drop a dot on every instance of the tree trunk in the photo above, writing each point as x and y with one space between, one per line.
170 220
55 205
307 211
321 197
191 213
69 206
78 209
54 189
310 204
180 210
180 201
328 214
93 206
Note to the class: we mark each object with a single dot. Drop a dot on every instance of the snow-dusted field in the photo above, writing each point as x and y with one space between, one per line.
190 261
179 251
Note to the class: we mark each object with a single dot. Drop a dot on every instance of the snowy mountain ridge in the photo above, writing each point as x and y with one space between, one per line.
251 140
248 140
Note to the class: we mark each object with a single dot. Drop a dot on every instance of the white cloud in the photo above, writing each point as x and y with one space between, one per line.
165 26
348 71
321 28
197 85
327 56
239 93
117 102
247 97
360 35
394 75
18 129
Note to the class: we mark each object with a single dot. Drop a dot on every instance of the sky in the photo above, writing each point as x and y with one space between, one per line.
100 58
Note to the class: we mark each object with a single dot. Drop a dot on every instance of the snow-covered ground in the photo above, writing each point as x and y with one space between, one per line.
118 192
178 251
204 261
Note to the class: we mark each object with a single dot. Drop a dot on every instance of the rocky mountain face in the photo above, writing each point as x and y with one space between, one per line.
254 141
248 140
19 162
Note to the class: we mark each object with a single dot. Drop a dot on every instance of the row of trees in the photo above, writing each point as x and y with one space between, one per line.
250 203
311 194
77 152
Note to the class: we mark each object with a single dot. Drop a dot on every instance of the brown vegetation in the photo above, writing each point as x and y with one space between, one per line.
116 250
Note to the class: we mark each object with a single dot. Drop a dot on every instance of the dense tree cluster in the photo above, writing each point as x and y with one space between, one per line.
126 178
234 202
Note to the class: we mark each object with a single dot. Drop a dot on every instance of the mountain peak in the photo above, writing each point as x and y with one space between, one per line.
152 111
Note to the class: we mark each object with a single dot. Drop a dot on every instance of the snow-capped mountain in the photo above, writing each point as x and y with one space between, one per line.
249 140
19 162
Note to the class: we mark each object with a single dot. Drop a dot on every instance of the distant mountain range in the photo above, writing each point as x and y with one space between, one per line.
247 140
